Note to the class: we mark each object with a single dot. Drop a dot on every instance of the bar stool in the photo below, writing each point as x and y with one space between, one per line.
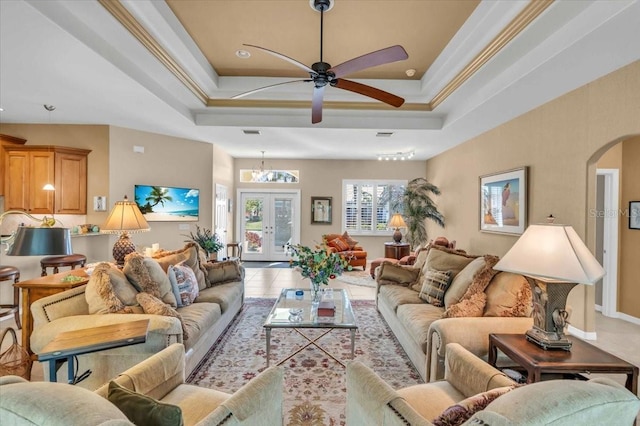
236 251
56 262
8 273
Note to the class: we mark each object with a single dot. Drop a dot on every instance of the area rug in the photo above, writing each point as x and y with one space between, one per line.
357 277
314 384
275 264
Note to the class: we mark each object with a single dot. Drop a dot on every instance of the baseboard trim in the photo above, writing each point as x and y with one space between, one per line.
585 335
628 318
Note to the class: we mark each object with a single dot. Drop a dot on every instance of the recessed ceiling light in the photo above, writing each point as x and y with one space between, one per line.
1 109
250 132
410 72
243 54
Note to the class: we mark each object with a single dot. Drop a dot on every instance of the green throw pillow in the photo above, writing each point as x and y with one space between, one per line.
142 409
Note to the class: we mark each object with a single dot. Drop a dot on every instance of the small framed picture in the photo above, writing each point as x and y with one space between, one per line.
634 214
100 203
321 210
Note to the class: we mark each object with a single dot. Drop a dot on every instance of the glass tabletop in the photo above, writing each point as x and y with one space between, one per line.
293 310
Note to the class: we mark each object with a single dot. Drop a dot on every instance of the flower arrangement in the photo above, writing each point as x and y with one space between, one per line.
319 265
206 239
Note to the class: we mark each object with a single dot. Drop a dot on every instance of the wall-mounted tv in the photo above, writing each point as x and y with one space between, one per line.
167 203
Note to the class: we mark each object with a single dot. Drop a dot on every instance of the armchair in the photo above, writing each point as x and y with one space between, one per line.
347 247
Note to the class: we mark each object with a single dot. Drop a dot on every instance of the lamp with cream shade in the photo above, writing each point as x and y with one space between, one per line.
553 259
397 222
125 218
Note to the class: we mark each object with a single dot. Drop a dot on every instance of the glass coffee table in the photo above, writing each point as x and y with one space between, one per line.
297 311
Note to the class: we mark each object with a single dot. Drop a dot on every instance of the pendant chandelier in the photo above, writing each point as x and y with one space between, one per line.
261 174
49 185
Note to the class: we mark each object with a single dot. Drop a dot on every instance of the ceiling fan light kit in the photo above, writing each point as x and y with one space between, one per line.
322 73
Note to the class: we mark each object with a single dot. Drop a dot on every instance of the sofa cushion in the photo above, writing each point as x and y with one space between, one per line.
460 412
183 283
443 259
189 255
434 285
142 409
395 295
199 318
148 276
461 282
222 272
109 291
431 398
222 294
390 272
508 295
339 244
416 319
152 305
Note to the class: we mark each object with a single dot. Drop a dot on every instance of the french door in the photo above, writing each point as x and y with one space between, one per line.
269 221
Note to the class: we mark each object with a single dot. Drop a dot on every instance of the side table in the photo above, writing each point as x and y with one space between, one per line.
583 358
396 250
38 288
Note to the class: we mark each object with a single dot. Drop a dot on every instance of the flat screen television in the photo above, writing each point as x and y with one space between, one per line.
168 203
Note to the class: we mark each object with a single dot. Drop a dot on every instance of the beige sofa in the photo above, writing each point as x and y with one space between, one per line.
161 377
220 298
478 301
475 391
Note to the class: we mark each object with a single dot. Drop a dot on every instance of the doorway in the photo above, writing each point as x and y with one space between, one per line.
221 218
607 209
269 221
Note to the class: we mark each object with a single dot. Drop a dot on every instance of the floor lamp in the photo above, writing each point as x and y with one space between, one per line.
553 259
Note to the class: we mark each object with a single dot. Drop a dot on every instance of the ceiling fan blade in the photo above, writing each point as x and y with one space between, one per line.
372 92
379 57
260 89
283 57
316 104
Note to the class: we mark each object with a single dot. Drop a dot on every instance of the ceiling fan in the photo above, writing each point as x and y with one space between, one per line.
322 73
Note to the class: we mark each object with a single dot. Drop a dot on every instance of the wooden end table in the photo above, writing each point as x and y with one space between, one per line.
38 288
396 250
66 345
583 358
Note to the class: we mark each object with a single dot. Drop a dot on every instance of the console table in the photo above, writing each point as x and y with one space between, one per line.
396 250
38 288
583 358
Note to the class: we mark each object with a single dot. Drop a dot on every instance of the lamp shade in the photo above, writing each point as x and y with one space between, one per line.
552 253
30 241
125 217
397 221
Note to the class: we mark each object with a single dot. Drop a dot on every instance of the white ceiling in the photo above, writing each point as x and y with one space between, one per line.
76 56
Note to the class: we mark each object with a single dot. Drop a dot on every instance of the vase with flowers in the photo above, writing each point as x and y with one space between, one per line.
319 265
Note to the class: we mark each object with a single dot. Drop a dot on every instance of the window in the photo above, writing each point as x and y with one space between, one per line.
368 205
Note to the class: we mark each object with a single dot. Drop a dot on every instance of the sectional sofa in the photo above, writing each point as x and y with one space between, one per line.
115 296
449 296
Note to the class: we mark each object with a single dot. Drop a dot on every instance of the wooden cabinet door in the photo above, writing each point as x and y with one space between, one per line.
42 172
71 183
16 183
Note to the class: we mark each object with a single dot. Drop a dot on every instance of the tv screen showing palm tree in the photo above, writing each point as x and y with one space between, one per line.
167 203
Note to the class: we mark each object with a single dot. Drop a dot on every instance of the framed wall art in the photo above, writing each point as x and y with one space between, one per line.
321 210
503 202
634 214
167 203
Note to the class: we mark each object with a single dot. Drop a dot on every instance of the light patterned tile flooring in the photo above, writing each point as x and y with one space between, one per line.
618 337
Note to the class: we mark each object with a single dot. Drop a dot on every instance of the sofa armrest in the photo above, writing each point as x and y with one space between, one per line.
472 333
64 304
259 402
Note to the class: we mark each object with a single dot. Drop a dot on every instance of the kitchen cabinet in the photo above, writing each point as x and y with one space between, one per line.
9 141
29 167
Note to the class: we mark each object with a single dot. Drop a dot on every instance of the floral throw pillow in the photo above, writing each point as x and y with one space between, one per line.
434 285
462 411
183 283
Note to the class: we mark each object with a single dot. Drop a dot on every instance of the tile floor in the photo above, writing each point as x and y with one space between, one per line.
618 337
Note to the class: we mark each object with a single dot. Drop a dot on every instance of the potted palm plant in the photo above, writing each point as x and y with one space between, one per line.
206 239
418 207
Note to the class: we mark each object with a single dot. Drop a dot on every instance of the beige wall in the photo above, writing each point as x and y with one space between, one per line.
166 161
629 253
557 141
324 178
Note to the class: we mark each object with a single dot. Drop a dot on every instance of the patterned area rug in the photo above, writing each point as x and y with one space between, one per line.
314 384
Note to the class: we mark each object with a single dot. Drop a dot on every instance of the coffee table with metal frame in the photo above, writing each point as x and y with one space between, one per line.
280 317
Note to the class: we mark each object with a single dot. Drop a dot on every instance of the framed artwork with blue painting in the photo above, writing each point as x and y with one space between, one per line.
168 203
503 202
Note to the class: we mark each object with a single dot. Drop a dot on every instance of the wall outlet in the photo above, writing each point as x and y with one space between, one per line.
183 227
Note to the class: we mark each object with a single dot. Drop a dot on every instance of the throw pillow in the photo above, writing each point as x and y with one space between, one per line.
142 409
471 307
147 275
183 280
223 272
462 411
508 295
350 241
189 255
339 244
108 291
444 259
480 281
396 274
152 305
435 283
462 281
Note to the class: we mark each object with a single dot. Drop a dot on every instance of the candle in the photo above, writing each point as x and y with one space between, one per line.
155 247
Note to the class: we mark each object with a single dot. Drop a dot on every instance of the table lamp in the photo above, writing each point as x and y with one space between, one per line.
553 259
397 222
125 218
44 240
